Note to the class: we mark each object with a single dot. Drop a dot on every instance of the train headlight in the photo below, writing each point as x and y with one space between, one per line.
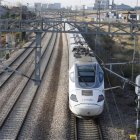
73 98
100 98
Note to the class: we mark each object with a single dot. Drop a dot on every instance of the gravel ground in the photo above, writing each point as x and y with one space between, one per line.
119 122
119 112
59 125
48 116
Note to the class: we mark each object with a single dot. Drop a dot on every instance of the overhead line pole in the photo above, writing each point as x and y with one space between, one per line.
0 33
98 20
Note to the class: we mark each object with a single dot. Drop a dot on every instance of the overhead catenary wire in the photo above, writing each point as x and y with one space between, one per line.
107 104
16 71
119 113
124 79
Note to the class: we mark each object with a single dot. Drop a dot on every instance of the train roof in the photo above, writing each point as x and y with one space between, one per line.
79 51
85 59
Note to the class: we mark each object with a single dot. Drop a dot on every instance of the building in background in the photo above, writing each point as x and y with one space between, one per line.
2 10
41 7
44 7
57 5
54 6
37 7
122 7
104 4
90 8
50 6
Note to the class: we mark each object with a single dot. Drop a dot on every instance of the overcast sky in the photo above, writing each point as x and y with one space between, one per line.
70 2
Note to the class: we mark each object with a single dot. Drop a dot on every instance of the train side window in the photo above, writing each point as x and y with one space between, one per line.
100 77
72 77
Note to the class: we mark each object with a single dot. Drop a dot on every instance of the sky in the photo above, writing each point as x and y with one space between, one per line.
68 2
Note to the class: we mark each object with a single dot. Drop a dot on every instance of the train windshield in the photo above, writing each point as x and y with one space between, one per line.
86 75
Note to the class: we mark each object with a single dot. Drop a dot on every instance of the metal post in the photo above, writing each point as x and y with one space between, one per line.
96 44
20 23
112 8
37 58
109 27
98 12
0 34
138 119
98 29
137 7
110 67
83 12
75 14
134 53
86 28
8 45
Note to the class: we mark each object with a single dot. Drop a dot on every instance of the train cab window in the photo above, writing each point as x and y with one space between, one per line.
86 75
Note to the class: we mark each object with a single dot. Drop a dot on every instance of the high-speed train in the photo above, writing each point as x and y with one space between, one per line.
86 79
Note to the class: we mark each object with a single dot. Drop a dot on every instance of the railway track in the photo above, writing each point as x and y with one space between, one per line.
17 62
18 55
49 104
19 104
86 129
10 88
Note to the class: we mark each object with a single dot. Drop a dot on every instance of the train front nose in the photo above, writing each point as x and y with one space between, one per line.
88 110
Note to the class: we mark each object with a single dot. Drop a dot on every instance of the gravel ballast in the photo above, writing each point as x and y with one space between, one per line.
47 118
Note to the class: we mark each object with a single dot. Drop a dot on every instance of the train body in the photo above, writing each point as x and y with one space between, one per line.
86 79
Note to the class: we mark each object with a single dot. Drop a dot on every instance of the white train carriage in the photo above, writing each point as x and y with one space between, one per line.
86 81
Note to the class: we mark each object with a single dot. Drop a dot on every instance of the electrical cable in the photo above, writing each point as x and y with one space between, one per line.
106 103
119 114
18 72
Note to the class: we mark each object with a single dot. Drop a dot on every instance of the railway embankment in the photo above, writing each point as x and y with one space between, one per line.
119 113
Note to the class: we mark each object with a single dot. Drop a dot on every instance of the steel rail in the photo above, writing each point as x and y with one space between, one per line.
18 104
17 63
88 129
14 96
